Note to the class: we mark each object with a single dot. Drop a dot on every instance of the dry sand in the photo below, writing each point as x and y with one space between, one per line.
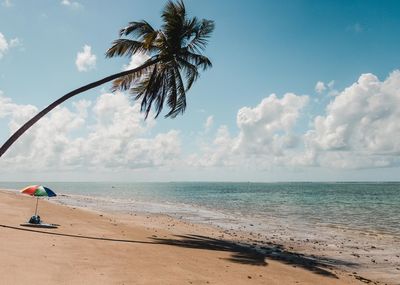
105 248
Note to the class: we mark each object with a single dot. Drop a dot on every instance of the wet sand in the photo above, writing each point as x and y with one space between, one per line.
108 248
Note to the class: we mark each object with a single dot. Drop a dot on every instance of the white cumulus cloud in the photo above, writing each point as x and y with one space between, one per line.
359 129
209 123
268 126
85 60
3 45
361 125
71 4
107 134
18 114
266 134
320 87
6 45
136 61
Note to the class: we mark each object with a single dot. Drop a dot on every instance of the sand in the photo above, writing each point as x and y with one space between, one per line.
107 248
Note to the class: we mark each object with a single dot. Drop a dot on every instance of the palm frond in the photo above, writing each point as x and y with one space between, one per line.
152 91
174 18
198 60
125 82
137 29
191 26
191 72
149 40
172 94
173 11
161 98
140 88
126 47
179 104
200 33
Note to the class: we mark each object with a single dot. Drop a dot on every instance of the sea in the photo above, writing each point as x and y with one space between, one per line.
364 206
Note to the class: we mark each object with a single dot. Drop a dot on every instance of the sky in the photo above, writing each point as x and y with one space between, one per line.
299 91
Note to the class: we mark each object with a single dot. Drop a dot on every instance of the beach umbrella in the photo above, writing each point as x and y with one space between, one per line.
38 191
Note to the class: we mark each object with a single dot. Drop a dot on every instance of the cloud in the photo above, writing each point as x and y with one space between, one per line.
218 153
7 3
15 42
3 45
6 45
360 128
320 87
266 133
85 60
268 126
331 87
136 61
18 114
209 123
71 4
109 133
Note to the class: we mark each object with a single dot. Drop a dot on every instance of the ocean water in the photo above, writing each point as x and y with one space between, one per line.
368 207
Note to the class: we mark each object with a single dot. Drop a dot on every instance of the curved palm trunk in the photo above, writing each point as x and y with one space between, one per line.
42 113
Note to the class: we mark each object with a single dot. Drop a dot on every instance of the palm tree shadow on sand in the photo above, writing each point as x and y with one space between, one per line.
244 253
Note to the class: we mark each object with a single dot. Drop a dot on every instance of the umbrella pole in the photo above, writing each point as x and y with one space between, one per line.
37 201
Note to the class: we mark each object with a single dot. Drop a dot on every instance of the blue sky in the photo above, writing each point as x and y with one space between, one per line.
258 48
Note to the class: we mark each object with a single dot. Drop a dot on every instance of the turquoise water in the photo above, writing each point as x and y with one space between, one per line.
360 206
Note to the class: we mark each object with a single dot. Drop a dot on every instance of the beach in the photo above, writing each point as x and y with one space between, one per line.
93 247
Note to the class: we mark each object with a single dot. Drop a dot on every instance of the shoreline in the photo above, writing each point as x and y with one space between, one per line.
238 248
371 254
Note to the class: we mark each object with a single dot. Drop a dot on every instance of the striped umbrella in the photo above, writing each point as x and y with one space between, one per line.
38 191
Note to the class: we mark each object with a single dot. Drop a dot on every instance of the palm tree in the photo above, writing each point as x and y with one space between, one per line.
175 57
